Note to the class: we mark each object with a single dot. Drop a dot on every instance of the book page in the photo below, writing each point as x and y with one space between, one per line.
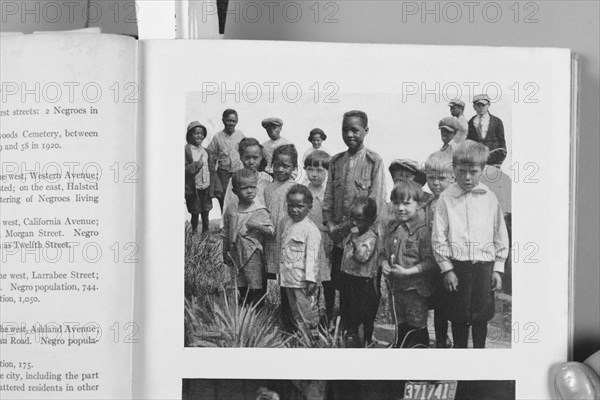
67 214
194 326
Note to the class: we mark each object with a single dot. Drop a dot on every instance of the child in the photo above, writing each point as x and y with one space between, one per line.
246 225
353 173
408 263
316 165
285 160
470 244
360 278
273 127
198 190
223 148
251 155
439 176
403 170
316 137
300 244
449 127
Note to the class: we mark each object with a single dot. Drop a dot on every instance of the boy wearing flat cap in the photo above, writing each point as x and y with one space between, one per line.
457 110
273 127
484 127
449 128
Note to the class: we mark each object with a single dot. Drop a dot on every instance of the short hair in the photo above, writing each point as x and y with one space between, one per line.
249 142
358 114
188 135
229 111
406 190
288 150
300 189
317 131
368 206
471 153
439 162
317 158
243 176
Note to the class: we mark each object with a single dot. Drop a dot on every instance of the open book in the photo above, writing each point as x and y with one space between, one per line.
98 295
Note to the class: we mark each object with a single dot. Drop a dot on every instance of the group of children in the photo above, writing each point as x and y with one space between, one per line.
443 251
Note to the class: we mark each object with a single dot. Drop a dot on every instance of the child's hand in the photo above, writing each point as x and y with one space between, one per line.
311 288
331 229
496 281
400 272
385 268
450 281
253 225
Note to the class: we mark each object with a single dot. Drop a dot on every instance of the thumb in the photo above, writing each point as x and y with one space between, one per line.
579 380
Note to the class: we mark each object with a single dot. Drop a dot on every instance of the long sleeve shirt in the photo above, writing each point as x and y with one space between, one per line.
469 226
224 148
409 245
240 242
351 176
300 248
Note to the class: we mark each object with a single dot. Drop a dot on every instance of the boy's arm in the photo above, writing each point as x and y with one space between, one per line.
501 242
213 151
439 237
426 253
225 234
191 167
262 223
377 190
328 198
501 139
313 245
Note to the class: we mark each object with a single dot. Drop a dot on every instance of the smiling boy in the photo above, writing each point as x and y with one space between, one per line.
353 173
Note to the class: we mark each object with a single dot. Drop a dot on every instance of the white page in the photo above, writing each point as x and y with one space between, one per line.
405 91
74 299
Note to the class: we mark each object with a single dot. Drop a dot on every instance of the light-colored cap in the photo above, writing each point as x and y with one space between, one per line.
271 121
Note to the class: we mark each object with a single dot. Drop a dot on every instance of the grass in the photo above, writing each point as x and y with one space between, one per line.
223 322
213 316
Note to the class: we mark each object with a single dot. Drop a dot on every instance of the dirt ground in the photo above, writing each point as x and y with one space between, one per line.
499 328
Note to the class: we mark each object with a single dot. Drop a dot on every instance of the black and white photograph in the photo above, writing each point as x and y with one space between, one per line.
305 228
248 389
350 173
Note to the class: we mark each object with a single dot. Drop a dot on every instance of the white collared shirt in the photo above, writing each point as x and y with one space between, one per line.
469 226
485 124
300 247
